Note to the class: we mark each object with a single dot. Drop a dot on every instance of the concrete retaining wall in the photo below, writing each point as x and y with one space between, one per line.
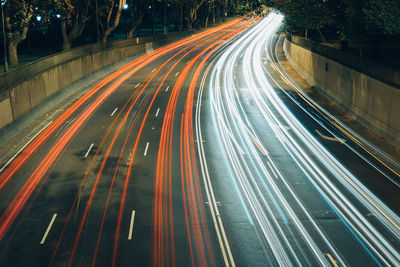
21 97
373 103
23 89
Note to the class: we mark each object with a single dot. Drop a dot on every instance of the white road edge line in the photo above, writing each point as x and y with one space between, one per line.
177 74
115 110
166 90
48 229
22 148
154 70
131 225
158 111
90 148
145 150
137 85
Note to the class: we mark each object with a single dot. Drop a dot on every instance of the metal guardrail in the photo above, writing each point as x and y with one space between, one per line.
373 69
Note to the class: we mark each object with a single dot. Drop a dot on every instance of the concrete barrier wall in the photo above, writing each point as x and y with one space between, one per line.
373 103
6 116
23 89
26 95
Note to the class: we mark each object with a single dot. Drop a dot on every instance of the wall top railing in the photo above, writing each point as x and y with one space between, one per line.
368 67
31 69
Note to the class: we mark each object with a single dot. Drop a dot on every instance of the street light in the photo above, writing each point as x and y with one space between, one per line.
4 36
126 6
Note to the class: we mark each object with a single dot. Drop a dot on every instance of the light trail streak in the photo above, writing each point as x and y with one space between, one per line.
130 164
188 151
193 45
62 143
164 183
219 228
261 194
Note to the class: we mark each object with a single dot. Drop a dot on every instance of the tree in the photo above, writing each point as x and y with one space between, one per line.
18 15
383 16
137 8
74 15
308 14
191 14
109 13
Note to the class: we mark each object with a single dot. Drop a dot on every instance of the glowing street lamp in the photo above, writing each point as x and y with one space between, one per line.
126 6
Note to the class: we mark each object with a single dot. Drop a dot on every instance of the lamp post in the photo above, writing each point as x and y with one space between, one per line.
4 36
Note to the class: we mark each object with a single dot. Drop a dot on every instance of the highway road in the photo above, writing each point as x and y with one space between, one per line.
202 152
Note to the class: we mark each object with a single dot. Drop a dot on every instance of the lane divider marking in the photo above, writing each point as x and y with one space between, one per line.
131 225
90 148
145 150
273 171
335 139
115 110
48 229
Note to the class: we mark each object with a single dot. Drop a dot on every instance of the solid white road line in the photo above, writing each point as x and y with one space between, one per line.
166 90
177 74
22 148
48 229
137 85
158 111
115 110
145 150
154 70
131 225
90 148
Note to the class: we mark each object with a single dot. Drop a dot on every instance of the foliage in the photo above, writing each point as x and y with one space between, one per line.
351 19
382 15
18 16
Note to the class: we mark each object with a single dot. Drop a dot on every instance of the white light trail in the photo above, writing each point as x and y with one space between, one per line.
260 183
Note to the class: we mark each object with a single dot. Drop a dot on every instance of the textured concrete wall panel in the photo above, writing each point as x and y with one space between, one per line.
374 103
6 112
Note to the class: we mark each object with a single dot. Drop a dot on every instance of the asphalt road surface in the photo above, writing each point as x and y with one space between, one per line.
202 152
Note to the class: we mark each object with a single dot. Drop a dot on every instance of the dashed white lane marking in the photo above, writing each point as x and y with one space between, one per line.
90 148
48 229
158 111
22 148
131 225
154 70
145 150
334 139
177 74
272 169
137 85
115 110
166 90
188 62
